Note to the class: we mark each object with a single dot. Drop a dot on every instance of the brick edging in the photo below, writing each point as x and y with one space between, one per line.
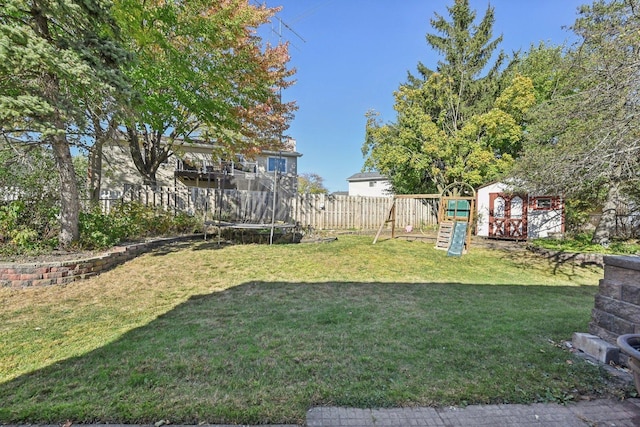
20 275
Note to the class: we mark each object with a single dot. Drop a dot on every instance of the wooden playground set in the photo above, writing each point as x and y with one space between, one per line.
455 217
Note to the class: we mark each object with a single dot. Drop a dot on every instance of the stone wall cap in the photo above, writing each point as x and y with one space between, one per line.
630 262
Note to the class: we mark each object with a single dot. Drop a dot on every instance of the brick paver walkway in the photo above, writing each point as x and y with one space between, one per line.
597 413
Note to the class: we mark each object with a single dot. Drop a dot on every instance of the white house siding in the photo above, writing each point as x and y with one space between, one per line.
370 188
369 184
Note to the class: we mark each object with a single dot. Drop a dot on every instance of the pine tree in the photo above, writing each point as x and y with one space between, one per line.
459 122
55 57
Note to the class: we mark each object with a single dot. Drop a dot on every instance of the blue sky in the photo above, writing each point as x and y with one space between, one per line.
351 55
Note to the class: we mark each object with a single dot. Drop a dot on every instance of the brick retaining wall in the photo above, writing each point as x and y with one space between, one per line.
61 272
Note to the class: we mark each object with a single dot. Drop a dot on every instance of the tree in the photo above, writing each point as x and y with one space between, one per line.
453 124
54 55
29 207
545 65
467 50
102 122
585 139
202 75
311 183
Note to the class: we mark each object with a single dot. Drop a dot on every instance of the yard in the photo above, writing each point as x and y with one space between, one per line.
259 334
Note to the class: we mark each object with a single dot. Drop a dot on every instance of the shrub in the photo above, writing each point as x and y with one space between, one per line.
26 227
132 221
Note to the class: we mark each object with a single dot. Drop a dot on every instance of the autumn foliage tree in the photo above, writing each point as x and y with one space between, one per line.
311 183
202 75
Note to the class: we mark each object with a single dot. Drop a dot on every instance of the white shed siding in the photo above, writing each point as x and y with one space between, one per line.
483 206
540 222
543 223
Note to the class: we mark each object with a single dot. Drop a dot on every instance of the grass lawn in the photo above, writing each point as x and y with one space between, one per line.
259 334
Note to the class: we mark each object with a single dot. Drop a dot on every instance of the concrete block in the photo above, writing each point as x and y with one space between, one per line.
610 289
618 308
596 347
627 262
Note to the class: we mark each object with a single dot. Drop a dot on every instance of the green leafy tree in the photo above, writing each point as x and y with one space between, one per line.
311 183
202 74
454 123
54 57
585 139
545 65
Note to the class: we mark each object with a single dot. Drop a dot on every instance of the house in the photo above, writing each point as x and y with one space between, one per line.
193 174
371 184
194 165
505 213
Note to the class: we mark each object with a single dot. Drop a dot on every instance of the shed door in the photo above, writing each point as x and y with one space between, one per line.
507 216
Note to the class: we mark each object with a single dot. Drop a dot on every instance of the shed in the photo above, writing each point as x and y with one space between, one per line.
505 213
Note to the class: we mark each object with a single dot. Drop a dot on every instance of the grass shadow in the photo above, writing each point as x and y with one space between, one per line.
265 352
559 263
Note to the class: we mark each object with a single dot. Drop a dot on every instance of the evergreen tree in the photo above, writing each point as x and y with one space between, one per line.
55 57
459 122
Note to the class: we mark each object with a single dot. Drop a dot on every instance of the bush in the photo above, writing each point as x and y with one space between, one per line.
132 221
31 228
27 227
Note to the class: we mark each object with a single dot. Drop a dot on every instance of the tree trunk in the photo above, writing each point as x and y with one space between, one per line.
94 178
95 173
606 227
69 198
147 155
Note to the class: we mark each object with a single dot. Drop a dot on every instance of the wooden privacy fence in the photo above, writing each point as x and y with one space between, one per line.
326 212
319 211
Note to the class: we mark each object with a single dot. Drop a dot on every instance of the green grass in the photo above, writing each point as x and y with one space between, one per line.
581 243
259 334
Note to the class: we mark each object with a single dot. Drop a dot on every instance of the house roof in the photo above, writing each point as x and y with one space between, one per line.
283 153
367 176
206 148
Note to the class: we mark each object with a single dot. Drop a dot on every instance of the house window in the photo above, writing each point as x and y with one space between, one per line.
372 183
543 203
276 163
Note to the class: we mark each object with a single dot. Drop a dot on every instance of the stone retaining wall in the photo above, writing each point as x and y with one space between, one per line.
617 304
58 273
560 257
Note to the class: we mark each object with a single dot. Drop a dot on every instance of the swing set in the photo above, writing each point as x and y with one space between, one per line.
456 207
